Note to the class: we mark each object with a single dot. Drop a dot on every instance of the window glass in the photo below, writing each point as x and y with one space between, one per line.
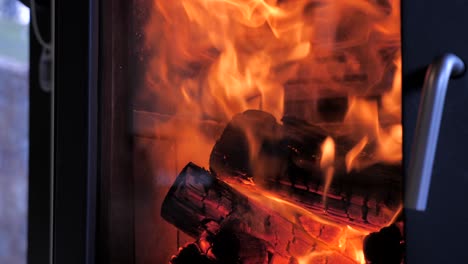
14 107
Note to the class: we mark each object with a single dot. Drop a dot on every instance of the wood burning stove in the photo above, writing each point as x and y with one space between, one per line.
266 131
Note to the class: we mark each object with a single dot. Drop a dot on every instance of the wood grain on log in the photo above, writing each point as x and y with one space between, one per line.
198 198
285 159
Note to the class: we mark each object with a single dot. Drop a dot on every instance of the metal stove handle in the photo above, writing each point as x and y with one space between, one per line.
427 129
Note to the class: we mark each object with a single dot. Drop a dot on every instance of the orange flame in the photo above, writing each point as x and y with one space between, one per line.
328 153
208 60
211 59
246 47
326 164
345 240
364 116
354 152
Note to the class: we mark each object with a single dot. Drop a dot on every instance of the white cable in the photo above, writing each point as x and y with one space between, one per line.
35 26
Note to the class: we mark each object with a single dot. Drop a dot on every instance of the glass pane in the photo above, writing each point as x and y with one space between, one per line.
14 66
267 131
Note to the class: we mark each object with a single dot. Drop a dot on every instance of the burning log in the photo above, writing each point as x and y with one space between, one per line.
286 159
205 207
191 254
224 247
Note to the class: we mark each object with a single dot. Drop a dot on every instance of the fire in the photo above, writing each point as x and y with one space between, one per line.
328 153
212 59
392 138
344 242
350 243
245 47
208 60
354 152
326 164
364 116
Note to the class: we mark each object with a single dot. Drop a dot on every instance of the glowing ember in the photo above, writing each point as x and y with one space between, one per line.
339 238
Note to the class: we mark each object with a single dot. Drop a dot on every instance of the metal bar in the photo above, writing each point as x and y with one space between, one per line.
93 135
427 129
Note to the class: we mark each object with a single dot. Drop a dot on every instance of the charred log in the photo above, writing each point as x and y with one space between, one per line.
244 132
191 253
198 201
285 159
231 246
385 246
226 246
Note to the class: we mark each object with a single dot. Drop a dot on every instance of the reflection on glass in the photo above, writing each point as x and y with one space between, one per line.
14 38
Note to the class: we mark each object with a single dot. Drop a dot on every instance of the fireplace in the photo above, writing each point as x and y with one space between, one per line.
241 131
